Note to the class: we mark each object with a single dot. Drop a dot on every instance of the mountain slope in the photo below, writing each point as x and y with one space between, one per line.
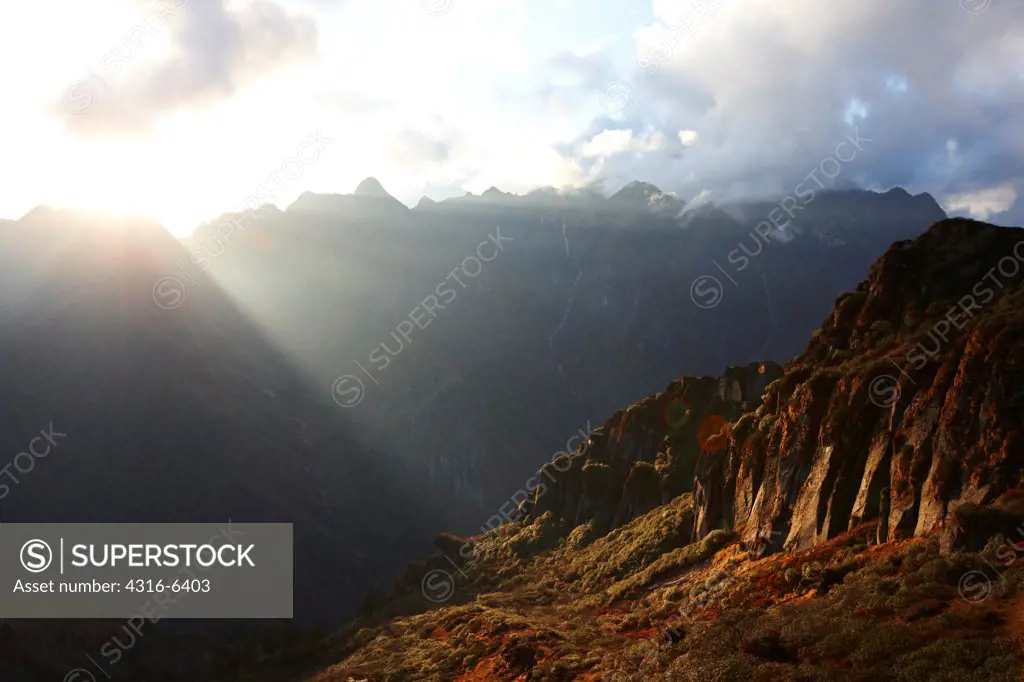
779 565
914 385
174 405
202 386
589 306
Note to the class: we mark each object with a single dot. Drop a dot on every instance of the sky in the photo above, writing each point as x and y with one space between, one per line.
183 108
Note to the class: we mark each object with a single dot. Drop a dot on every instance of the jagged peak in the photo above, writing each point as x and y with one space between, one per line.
371 187
493 192
644 195
636 189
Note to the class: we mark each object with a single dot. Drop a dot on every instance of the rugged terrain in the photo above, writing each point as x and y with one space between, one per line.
851 516
184 413
201 390
588 306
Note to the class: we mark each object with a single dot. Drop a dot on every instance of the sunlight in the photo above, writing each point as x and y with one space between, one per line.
119 177
346 280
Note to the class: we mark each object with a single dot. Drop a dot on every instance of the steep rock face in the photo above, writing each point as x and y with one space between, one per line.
644 456
907 403
914 385
587 309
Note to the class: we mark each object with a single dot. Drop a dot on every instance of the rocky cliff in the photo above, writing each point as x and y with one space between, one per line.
645 455
883 466
589 305
907 403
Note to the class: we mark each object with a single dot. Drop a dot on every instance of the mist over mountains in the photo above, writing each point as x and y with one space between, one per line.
848 516
674 340
585 304
215 380
375 374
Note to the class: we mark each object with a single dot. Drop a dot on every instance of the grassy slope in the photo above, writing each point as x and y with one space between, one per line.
638 605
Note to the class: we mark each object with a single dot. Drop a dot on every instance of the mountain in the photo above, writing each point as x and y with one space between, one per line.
175 406
371 187
912 386
587 307
369 203
850 516
645 196
374 374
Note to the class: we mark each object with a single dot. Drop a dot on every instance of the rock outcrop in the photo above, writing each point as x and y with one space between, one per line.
908 402
914 385
645 455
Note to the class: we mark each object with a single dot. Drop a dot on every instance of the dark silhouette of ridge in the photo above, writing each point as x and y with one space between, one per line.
183 414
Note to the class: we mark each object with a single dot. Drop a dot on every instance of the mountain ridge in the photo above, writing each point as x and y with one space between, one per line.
787 538
598 308
370 197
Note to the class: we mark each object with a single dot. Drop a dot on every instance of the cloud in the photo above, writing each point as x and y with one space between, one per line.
774 87
349 103
742 99
612 142
211 50
983 203
420 146
687 138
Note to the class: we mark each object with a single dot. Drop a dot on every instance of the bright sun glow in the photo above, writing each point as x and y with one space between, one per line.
208 103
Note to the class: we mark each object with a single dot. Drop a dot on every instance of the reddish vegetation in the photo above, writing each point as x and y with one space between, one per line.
487 669
796 476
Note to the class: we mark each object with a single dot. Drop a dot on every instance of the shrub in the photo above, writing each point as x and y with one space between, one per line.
672 562
958 660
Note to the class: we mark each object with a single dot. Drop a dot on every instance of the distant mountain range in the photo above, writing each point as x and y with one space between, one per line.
232 402
374 373
853 515
593 302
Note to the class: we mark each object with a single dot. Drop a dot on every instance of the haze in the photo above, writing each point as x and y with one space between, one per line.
181 108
